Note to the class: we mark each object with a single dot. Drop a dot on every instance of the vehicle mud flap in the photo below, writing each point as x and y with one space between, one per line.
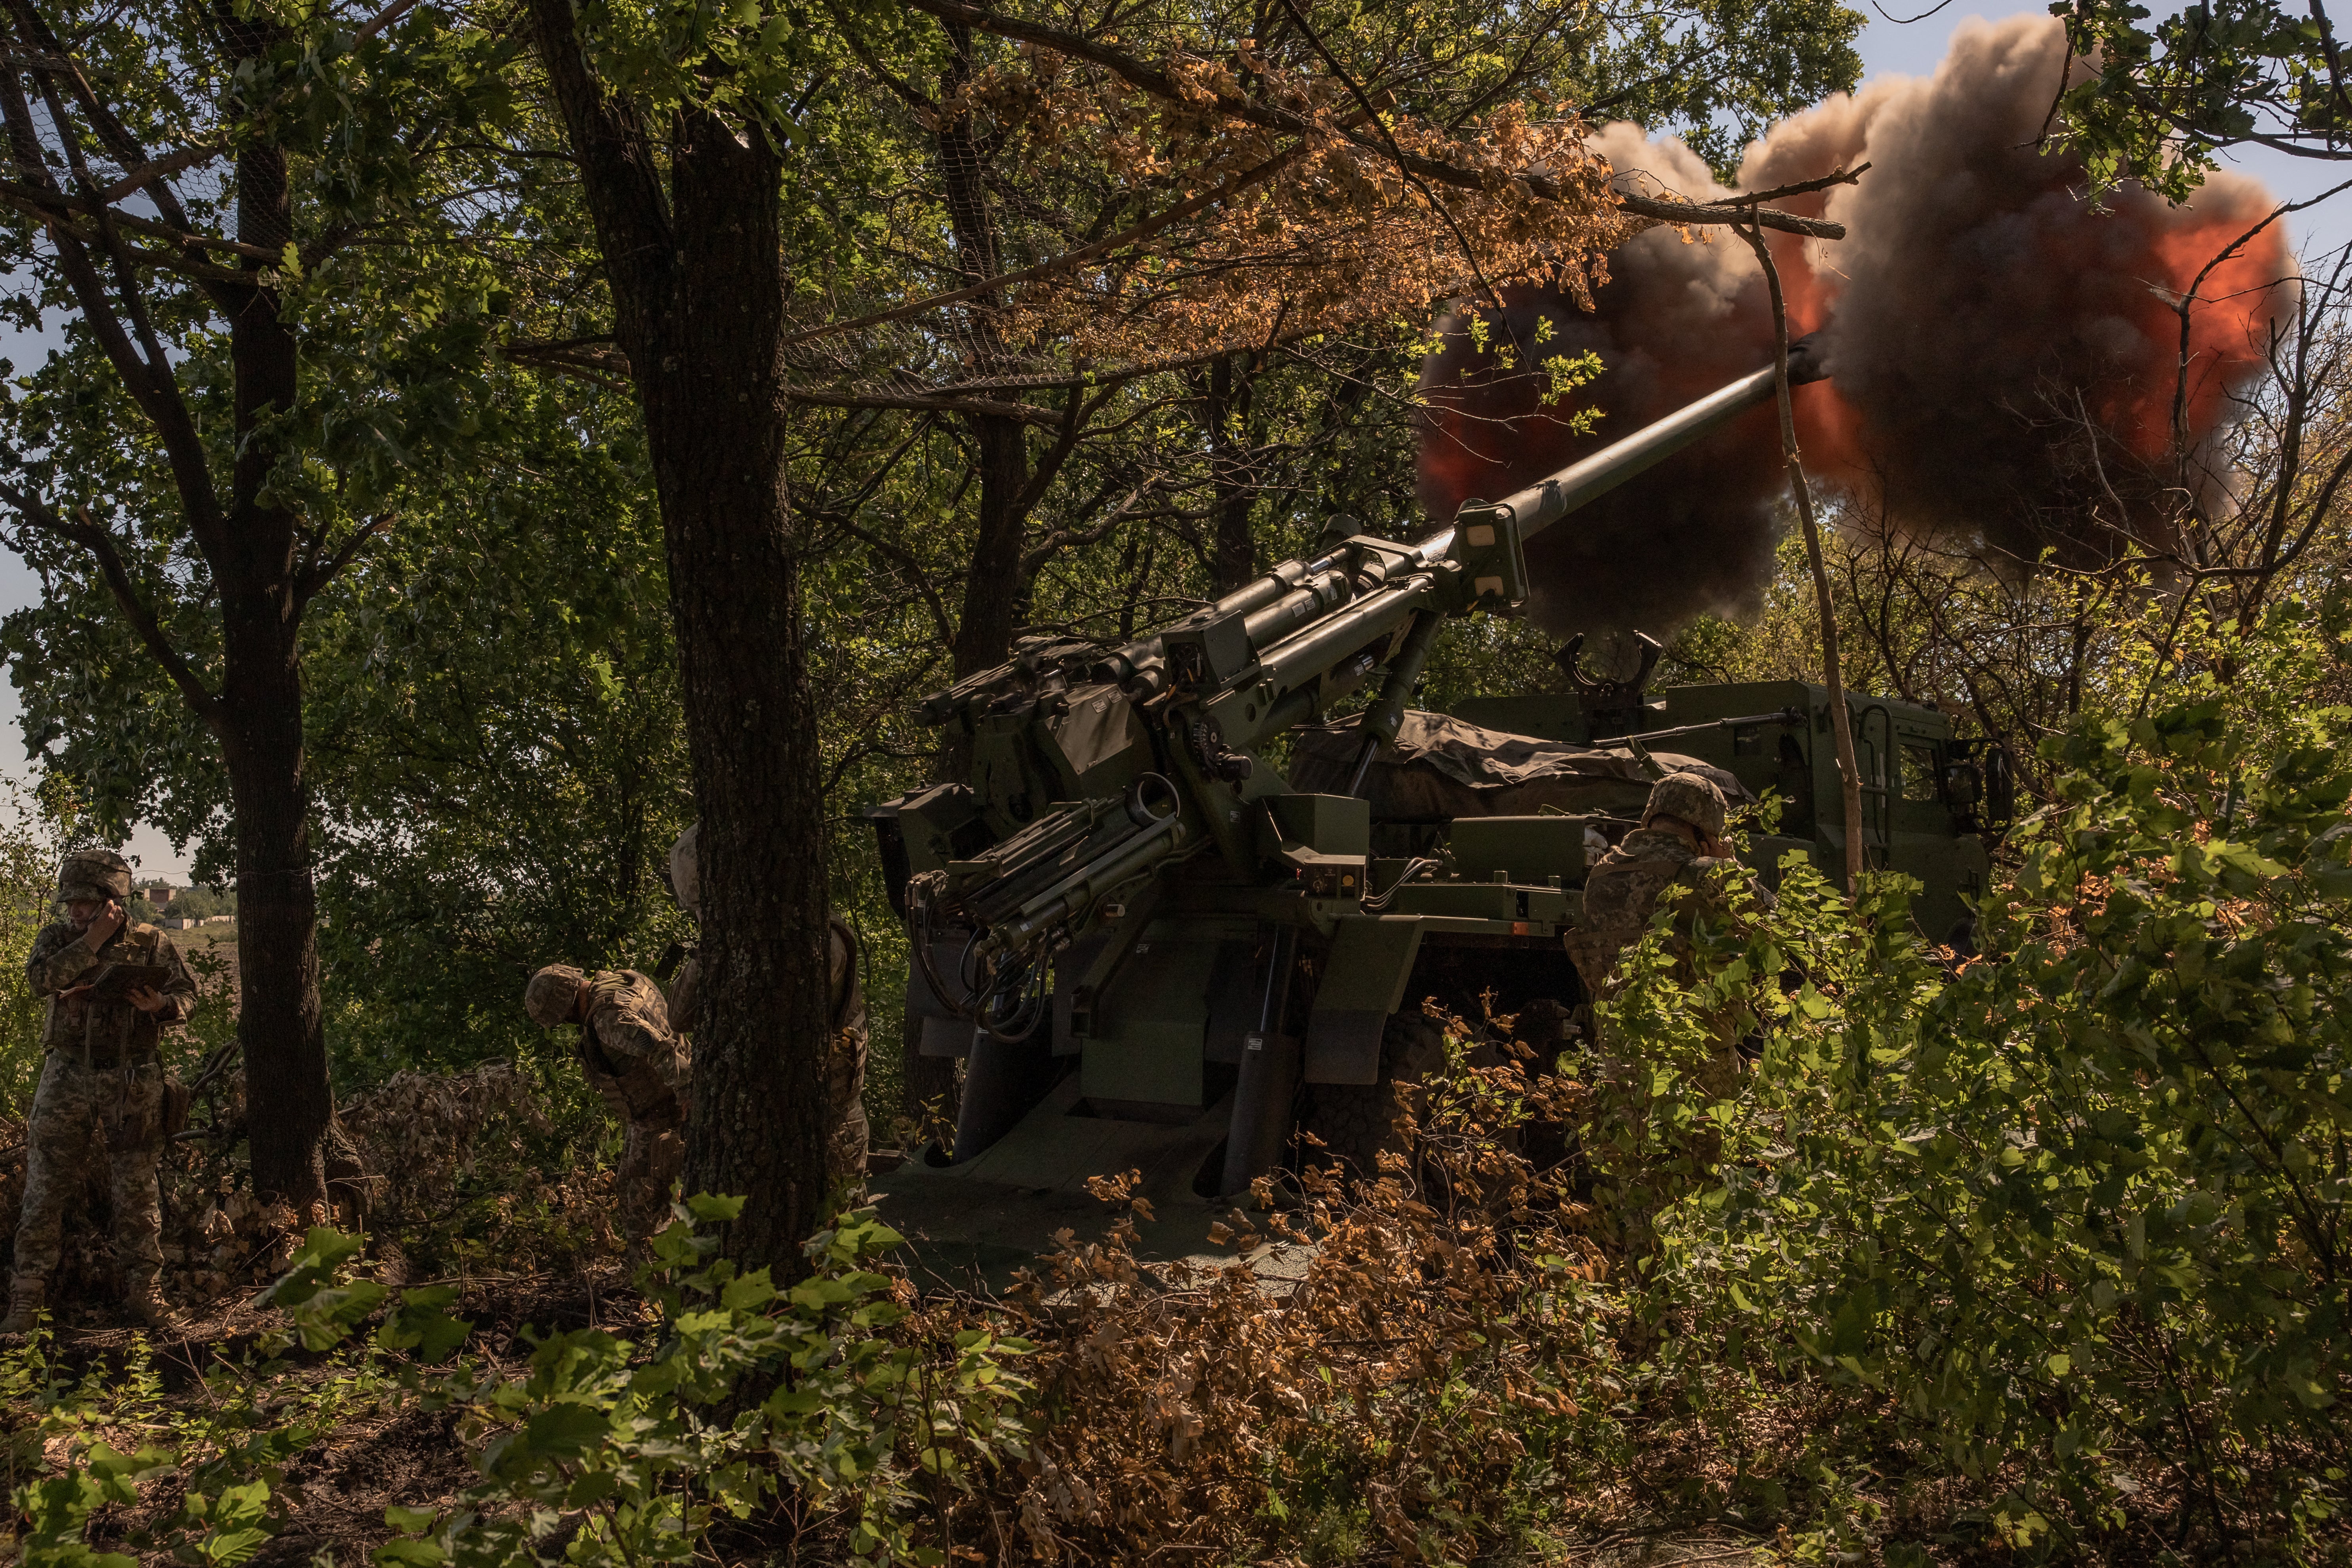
1364 979
1003 1082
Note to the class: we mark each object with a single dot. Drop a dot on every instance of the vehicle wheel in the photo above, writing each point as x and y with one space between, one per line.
1360 1122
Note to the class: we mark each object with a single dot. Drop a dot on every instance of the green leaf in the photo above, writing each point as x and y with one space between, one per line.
708 1210
567 1430
404 1521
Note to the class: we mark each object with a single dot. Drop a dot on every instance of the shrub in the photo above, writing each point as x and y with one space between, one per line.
751 1399
2064 1228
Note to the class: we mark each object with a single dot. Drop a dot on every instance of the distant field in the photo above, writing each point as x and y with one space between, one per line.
211 951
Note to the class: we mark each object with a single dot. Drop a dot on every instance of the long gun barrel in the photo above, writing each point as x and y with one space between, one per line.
1201 692
1547 501
1298 593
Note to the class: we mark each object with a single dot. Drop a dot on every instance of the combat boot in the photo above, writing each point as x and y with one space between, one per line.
28 1294
147 1304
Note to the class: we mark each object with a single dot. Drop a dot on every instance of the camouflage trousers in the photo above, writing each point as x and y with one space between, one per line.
82 1115
653 1157
844 1088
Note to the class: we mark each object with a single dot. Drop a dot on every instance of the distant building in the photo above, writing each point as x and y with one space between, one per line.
158 897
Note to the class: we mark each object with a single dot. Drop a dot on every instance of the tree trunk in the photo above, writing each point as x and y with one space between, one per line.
287 1099
696 275
714 402
995 588
1225 411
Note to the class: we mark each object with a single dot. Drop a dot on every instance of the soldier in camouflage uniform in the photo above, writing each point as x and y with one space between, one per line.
845 1056
639 1063
1679 844
101 1086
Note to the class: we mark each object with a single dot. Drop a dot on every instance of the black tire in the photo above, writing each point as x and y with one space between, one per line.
1360 1122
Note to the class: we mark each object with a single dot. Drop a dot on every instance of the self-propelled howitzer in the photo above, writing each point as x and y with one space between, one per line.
1146 941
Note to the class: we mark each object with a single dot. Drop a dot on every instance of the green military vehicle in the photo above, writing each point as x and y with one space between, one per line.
1155 952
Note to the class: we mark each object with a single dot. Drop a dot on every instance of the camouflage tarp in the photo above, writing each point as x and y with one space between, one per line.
1443 768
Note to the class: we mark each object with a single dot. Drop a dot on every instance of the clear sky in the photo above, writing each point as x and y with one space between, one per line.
1888 48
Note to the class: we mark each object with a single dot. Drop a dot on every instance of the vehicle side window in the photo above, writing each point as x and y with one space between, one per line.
1919 774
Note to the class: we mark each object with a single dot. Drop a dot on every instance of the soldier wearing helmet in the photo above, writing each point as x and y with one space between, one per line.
101 1086
639 1063
1679 844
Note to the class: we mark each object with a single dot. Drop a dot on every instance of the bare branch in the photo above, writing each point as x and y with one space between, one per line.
852 398
186 158
1063 539
1857 854
385 18
51 204
315 576
1801 188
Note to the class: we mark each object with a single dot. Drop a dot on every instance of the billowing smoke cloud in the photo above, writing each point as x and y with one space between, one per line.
2004 358
1674 322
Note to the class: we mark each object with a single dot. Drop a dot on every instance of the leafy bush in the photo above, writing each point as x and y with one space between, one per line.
753 1398
28 856
2063 1229
1417 1393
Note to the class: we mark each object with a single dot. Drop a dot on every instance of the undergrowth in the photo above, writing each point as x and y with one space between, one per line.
2034 1257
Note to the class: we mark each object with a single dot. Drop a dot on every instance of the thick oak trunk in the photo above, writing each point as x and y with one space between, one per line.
288 1103
696 270
287 1099
711 381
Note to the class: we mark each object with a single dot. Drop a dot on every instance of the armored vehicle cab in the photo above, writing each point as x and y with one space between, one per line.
1928 801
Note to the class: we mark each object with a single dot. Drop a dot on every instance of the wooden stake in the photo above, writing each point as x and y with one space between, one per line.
1840 722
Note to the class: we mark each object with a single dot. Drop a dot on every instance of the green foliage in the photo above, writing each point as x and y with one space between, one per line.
2069 1219
750 1397
756 1394
28 856
494 708
2167 95
204 1481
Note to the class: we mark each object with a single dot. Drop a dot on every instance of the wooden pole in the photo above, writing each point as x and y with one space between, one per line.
1840 722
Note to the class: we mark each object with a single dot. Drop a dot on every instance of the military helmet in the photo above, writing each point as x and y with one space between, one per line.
94 873
552 995
684 877
1690 796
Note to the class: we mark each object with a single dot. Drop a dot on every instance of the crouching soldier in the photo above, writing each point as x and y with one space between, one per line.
1680 844
845 1057
639 1063
101 1087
